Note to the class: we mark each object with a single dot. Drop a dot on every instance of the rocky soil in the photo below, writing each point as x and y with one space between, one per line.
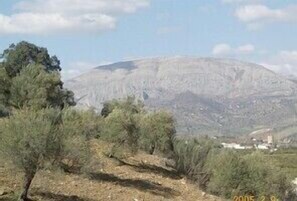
140 178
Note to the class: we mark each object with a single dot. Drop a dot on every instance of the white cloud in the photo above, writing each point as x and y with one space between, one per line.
257 15
239 1
66 16
224 49
246 48
75 69
284 62
72 6
37 23
289 56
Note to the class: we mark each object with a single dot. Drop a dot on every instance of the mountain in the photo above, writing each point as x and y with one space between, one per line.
206 95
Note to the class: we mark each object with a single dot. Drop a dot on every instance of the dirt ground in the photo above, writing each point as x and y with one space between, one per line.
139 178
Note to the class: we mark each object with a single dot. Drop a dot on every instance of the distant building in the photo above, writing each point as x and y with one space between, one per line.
235 146
263 146
270 139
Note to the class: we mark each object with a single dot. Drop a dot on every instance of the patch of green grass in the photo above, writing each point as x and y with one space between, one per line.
287 162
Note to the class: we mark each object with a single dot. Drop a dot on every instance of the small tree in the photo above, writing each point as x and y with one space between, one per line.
4 91
36 88
121 123
82 122
191 156
121 128
129 104
250 174
19 56
30 76
78 127
157 132
29 138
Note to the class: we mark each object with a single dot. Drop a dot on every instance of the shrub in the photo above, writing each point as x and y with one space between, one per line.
157 132
36 88
82 123
228 172
191 157
29 138
121 129
129 104
251 174
4 92
78 128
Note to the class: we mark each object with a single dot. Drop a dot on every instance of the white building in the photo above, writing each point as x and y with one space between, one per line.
263 146
232 146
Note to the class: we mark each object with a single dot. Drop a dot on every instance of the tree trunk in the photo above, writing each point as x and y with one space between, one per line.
27 183
152 149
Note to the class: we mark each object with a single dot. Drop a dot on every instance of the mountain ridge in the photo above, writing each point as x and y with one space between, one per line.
217 92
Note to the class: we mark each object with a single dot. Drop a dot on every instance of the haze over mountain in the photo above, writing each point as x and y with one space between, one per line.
207 95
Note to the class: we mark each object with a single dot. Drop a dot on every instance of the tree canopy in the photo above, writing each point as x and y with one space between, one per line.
19 56
29 77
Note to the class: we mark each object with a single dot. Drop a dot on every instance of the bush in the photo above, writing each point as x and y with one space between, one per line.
78 128
82 123
29 138
251 174
129 104
157 132
191 157
229 173
36 88
121 129
4 92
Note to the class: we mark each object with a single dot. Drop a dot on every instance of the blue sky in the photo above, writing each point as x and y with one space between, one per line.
87 33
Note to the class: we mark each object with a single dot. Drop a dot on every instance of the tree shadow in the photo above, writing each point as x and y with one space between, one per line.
142 185
148 168
59 197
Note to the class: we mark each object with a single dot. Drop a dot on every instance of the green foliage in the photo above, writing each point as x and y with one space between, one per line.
121 124
35 88
157 132
4 91
128 125
230 173
129 104
77 128
286 159
84 123
252 174
29 138
121 128
29 77
191 157
19 56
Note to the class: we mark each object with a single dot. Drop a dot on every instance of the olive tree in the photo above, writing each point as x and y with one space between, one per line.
250 174
78 128
129 104
29 138
29 76
20 55
4 92
121 129
157 132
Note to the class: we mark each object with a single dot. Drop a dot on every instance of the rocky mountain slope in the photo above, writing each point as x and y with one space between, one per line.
207 95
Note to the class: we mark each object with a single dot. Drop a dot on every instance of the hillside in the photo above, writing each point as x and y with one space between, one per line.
207 95
140 178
